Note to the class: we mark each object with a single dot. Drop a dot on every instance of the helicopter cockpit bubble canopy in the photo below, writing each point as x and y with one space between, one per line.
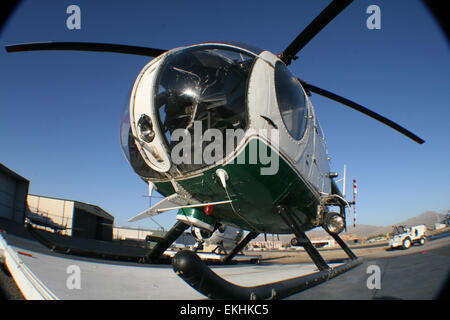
202 88
179 97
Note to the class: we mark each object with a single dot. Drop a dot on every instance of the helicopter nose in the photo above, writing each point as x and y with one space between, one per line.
146 132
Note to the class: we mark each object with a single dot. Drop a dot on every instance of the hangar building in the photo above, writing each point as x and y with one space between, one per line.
13 195
71 218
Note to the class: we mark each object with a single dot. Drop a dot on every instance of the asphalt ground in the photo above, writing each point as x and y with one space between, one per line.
418 273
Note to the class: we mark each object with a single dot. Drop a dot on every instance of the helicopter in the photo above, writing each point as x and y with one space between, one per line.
223 239
229 136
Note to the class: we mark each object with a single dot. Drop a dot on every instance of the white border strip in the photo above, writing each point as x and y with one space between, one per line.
30 285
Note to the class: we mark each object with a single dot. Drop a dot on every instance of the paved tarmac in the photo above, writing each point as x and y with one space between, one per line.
124 281
419 273
416 273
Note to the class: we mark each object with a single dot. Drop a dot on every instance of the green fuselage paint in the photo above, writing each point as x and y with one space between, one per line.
254 195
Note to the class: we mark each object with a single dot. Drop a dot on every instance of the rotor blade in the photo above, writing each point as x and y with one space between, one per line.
86 46
325 17
360 108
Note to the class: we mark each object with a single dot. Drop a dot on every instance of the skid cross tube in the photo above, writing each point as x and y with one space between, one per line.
342 244
173 234
249 237
284 212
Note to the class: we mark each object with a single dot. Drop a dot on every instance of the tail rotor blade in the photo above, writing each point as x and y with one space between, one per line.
86 46
360 108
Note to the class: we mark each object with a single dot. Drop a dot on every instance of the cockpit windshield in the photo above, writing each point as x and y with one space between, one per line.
198 89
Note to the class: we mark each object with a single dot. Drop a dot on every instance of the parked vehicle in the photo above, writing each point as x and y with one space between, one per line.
405 237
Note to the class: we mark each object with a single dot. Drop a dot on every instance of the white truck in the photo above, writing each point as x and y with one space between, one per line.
405 237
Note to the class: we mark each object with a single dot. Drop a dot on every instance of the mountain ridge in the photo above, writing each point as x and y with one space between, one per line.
428 218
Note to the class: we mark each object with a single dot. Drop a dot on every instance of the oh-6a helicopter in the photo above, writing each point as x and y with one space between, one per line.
208 92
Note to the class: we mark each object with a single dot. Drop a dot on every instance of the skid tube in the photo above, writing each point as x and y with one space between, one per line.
199 276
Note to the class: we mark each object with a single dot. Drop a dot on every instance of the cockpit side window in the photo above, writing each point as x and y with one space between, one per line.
291 101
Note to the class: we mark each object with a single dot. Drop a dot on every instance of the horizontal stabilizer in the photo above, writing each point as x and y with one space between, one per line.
168 202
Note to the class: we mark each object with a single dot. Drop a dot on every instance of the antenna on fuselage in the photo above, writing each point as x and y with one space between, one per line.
150 196
345 181
223 176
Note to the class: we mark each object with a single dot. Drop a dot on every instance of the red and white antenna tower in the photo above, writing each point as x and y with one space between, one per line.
355 191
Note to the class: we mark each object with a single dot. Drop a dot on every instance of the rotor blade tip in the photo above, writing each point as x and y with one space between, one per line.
13 48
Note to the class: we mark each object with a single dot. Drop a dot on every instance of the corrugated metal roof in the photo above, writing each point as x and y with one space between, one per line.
12 173
92 209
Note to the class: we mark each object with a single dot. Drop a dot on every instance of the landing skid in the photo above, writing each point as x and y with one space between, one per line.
155 254
199 276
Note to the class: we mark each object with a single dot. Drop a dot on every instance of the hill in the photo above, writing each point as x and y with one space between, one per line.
428 218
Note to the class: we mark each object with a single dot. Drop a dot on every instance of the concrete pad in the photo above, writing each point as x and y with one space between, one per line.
116 281
101 279
418 273
107 281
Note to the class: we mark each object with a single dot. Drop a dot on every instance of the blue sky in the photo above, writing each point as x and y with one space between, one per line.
60 111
